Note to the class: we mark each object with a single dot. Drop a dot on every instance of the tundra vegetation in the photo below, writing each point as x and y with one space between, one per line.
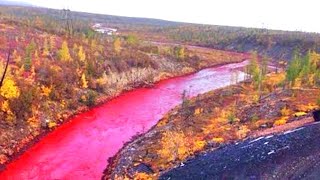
57 69
265 101
60 66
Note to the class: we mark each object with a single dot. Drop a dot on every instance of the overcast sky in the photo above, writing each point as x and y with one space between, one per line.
301 15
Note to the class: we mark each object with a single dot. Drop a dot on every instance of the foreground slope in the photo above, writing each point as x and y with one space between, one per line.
293 154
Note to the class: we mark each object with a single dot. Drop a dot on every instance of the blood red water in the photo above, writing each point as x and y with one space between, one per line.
80 148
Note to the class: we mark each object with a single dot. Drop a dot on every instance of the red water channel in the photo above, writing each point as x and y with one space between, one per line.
80 148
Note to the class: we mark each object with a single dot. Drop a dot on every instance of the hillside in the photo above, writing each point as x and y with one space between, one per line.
292 154
21 13
276 44
60 66
53 76
259 106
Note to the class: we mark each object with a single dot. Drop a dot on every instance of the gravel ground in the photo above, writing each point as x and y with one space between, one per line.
293 154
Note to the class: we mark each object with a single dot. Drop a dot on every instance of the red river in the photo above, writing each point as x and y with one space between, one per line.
80 148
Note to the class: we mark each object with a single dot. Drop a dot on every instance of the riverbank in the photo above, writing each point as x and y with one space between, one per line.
291 154
35 139
211 121
66 88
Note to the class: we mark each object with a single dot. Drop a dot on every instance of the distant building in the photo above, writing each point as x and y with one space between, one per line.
104 30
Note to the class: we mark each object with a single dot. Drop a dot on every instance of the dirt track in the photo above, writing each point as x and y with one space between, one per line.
293 154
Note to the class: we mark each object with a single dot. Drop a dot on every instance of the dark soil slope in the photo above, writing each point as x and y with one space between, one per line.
294 154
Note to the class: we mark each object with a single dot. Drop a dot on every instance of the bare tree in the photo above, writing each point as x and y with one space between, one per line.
66 17
5 69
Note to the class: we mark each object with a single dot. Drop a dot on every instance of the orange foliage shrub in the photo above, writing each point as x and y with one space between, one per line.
174 146
280 121
142 176
285 111
218 139
243 132
198 111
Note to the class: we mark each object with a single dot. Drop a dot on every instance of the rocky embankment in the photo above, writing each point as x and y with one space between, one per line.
211 122
292 154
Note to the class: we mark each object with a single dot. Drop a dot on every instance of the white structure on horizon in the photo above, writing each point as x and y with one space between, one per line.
104 30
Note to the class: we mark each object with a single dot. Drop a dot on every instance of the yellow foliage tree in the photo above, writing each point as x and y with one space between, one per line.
52 43
314 58
46 91
10 117
81 54
84 81
45 51
181 53
9 89
64 53
93 44
117 45
102 80
174 146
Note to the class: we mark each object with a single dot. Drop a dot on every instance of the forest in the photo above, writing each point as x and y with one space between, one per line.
276 44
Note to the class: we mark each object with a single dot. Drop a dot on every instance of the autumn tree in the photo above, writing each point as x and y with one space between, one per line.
38 22
132 39
64 53
93 44
9 89
253 67
316 78
52 43
179 52
305 70
9 115
174 146
293 71
4 70
16 58
28 57
315 67
45 51
117 45
315 60
84 82
256 72
264 65
81 54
